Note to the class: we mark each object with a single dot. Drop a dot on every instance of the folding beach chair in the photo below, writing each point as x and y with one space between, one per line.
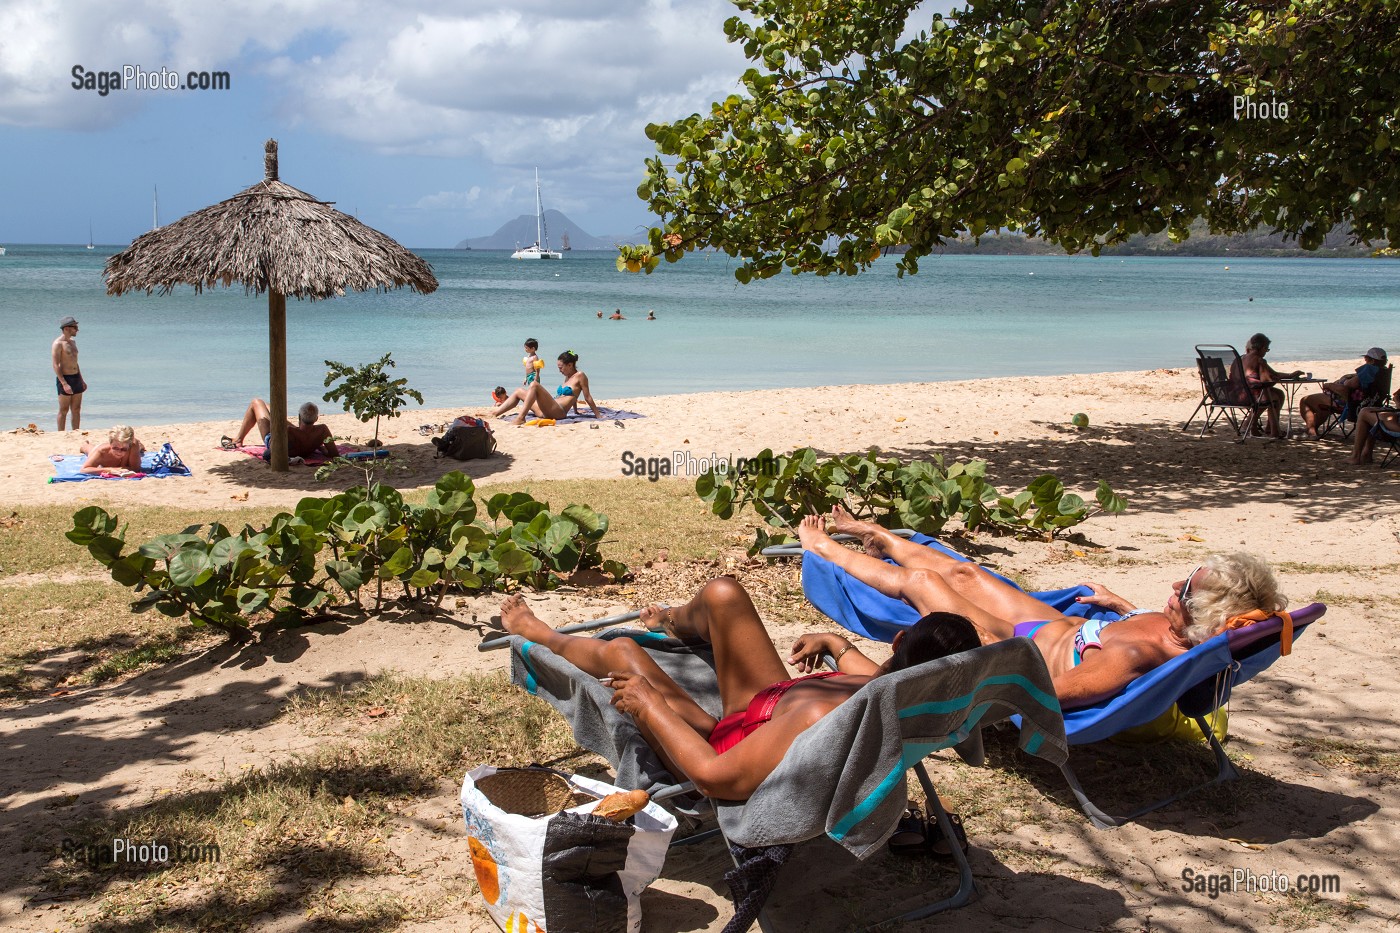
1345 410
1387 438
1197 682
845 777
1225 391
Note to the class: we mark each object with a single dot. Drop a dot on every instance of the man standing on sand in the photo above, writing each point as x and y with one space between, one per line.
65 369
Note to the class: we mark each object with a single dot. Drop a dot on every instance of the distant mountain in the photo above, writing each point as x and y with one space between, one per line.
521 232
1258 242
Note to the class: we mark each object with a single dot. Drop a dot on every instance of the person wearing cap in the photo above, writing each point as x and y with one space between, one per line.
65 369
1334 396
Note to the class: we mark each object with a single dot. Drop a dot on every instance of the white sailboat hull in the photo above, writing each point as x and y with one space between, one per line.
534 252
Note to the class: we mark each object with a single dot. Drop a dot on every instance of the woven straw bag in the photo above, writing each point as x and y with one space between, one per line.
527 791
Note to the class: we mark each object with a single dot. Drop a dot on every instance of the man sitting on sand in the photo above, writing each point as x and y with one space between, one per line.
304 438
1089 661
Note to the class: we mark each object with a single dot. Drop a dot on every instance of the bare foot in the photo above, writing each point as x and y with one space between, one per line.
844 523
658 618
519 619
811 531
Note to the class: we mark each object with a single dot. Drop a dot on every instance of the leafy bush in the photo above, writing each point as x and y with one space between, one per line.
923 495
289 570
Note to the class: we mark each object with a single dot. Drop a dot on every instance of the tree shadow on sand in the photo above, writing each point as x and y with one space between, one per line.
411 465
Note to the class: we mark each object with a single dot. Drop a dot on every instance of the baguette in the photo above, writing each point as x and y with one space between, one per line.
619 806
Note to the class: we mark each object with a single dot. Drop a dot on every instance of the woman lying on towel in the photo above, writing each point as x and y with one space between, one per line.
120 456
565 398
1089 661
760 699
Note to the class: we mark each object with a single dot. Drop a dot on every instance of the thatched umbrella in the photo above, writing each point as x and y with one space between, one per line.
272 238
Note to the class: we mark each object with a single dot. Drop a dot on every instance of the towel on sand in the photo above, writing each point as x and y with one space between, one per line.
843 776
67 467
609 414
316 459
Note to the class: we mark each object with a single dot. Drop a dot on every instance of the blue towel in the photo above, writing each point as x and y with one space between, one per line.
67 467
868 612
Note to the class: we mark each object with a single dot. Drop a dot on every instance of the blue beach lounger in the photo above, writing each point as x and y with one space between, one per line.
844 777
1197 682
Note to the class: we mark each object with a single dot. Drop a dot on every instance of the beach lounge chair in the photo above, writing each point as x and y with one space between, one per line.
1387 438
845 777
1224 390
1197 682
1345 410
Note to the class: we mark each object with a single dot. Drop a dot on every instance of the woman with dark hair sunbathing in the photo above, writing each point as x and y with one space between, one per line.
1089 661
759 696
565 398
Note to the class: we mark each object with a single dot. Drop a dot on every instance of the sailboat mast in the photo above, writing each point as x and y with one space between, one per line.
155 208
539 214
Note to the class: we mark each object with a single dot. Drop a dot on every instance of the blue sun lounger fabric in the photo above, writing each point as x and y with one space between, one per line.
870 613
845 776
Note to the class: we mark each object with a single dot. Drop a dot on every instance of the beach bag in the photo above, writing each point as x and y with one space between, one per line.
468 439
168 461
545 864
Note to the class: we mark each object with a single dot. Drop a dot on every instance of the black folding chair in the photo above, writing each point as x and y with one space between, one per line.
1224 390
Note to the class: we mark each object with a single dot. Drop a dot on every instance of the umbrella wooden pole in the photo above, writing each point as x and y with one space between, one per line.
277 381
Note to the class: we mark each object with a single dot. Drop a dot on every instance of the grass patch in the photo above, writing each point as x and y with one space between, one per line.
1308 910
82 632
1353 757
318 836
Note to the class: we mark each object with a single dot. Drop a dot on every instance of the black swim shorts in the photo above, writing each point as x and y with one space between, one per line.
75 380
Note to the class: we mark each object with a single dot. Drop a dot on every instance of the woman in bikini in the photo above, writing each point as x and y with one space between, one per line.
565 398
1089 661
759 696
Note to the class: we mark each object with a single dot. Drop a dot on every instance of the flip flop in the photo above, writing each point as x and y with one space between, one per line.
226 443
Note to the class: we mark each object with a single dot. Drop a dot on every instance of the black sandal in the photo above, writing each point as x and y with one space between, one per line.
938 845
910 839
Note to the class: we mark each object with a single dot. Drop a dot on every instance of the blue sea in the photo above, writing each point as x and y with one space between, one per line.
188 357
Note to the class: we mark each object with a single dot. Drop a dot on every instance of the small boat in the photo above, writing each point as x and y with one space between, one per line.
2 250
535 250
566 247
90 246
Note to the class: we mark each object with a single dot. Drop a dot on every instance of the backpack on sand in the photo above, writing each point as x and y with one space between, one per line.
468 439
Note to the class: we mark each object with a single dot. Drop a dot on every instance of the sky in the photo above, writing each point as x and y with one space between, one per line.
426 120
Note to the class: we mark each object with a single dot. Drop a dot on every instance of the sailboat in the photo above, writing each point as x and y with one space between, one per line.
90 246
538 251
566 247
155 208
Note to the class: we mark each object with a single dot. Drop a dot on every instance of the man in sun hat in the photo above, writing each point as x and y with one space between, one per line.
1335 395
65 369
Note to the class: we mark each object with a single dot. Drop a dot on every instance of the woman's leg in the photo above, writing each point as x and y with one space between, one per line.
745 659
540 400
511 401
597 657
950 586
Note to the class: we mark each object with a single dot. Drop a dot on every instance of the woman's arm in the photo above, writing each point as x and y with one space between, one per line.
133 455
91 464
1103 596
807 654
736 774
587 395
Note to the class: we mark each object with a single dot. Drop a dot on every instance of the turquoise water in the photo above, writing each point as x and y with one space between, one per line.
185 357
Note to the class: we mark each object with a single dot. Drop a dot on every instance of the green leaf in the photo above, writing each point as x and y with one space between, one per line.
190 567
401 560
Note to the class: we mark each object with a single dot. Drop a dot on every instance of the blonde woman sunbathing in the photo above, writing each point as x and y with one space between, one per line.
764 708
1089 661
119 456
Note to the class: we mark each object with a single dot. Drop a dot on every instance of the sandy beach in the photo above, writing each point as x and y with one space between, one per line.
1332 529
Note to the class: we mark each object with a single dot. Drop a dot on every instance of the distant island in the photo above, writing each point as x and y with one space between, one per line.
521 232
